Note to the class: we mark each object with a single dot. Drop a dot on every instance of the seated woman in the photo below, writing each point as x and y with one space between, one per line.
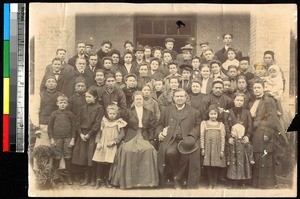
136 160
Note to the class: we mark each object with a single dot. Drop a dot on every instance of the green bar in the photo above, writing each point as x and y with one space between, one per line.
6 58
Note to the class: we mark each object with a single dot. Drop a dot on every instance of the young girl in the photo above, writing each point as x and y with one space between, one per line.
212 142
107 140
88 125
155 72
231 54
143 76
238 124
119 79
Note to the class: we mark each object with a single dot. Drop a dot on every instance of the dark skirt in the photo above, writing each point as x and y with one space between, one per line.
83 151
264 171
135 164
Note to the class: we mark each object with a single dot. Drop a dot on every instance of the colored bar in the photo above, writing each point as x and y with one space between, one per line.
6 57
6 96
6 21
5 133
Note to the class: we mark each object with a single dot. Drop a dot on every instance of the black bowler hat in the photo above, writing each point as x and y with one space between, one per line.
187 145
186 67
139 48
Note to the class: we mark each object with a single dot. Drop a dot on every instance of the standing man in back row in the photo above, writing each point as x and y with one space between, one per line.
169 43
222 53
80 54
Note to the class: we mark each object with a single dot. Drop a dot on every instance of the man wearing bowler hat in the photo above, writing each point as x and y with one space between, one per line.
88 48
178 133
139 55
186 55
169 43
186 72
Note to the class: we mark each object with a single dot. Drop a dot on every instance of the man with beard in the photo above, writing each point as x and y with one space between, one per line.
80 71
80 54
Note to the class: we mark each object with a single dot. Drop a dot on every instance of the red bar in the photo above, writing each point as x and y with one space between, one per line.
5 133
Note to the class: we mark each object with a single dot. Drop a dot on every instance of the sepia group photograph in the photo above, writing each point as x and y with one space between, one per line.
162 100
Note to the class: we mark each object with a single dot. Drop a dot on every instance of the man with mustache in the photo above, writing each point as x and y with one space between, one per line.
80 54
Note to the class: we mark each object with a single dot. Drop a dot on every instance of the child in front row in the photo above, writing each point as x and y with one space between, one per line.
107 139
212 143
61 131
239 153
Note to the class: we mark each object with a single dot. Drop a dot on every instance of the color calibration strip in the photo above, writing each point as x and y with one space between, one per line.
13 77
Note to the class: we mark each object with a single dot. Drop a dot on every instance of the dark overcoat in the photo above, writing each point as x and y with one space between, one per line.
190 126
222 55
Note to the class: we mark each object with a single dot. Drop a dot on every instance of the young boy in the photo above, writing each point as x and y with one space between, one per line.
158 88
154 72
242 88
147 53
107 64
231 60
196 61
206 80
185 82
173 70
226 90
143 76
244 70
232 74
167 57
61 131
45 104
216 66
139 55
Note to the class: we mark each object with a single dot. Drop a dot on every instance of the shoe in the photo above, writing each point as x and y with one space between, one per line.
107 184
177 184
69 180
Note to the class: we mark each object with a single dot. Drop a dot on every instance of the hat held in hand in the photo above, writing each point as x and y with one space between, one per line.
187 145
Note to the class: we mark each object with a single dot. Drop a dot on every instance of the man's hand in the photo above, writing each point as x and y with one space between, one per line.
99 146
161 137
266 138
111 143
231 141
87 136
82 137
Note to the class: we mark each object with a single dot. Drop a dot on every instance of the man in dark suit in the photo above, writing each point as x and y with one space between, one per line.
92 64
88 48
169 43
204 46
61 76
139 55
65 67
80 54
222 53
182 122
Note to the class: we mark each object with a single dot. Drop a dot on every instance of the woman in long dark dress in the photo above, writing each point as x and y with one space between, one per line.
136 160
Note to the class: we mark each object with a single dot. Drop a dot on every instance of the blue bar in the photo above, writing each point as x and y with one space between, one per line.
6 21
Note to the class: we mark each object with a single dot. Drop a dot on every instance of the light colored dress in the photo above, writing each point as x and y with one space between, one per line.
212 140
108 132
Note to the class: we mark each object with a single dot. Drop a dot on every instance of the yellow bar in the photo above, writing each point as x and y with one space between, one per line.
6 96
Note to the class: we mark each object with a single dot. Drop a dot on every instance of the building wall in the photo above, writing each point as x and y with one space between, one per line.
211 27
97 28
52 33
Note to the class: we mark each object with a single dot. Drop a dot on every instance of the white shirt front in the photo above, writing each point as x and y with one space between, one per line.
204 85
139 111
128 67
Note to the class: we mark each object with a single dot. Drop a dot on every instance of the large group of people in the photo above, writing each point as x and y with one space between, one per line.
153 117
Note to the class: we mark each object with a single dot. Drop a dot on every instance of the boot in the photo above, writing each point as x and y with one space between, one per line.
86 177
68 168
56 163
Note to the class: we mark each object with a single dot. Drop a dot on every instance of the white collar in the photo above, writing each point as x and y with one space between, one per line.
179 108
